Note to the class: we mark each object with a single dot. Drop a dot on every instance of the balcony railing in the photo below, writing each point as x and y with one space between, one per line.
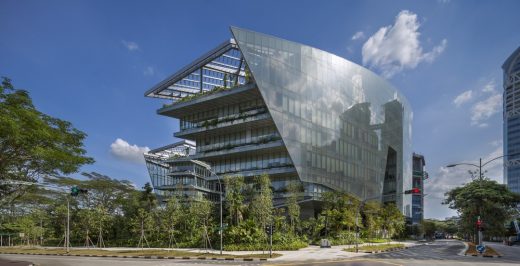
215 121
269 166
216 89
229 146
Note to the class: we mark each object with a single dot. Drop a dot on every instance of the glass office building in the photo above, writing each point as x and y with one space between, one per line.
419 175
260 104
511 96
173 172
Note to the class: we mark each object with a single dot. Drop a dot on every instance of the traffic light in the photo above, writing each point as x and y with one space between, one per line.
480 225
269 229
74 191
414 191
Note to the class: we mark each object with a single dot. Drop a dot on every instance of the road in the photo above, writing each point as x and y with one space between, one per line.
440 252
87 261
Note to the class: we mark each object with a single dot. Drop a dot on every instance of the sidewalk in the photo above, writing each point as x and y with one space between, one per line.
334 253
305 254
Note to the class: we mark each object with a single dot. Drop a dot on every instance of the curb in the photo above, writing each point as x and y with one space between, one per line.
382 251
141 257
466 247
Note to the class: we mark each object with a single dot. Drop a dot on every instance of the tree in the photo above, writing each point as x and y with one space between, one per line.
171 217
340 211
33 144
293 208
393 221
234 197
372 217
492 201
148 198
142 223
261 207
429 228
201 210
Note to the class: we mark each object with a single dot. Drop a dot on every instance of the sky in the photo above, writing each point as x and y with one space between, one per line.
90 62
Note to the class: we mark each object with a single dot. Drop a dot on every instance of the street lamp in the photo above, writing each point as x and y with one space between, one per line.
480 178
220 185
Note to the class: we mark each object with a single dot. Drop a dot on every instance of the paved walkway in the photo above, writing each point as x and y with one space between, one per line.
305 254
313 253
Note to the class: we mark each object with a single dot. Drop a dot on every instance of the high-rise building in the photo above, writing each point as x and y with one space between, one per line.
258 104
511 96
418 182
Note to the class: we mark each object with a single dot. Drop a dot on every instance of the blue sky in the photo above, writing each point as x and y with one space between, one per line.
89 62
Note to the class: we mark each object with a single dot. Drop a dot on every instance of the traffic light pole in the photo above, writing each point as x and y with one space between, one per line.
480 178
67 236
271 241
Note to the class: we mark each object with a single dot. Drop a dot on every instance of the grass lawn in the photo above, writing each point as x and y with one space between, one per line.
472 250
154 252
383 247
375 240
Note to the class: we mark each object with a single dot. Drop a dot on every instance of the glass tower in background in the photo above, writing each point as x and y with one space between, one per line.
511 107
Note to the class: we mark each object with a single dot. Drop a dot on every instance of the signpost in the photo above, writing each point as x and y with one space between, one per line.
481 249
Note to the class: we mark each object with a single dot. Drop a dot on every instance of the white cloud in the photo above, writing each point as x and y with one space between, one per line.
463 97
489 87
358 36
483 110
496 143
436 51
131 46
149 71
123 150
448 178
396 47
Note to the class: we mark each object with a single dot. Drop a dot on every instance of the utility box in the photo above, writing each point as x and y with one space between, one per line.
324 243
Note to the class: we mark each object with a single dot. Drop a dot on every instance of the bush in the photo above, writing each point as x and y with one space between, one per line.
345 238
265 246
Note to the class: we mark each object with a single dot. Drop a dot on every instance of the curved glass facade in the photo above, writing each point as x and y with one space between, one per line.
344 127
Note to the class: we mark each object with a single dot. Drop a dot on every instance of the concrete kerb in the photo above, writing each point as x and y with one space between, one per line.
142 257
463 252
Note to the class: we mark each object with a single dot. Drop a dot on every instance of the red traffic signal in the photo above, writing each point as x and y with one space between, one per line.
413 191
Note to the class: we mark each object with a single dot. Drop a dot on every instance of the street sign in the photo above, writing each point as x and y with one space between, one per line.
481 249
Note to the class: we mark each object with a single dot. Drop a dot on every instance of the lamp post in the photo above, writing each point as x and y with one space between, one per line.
480 178
221 231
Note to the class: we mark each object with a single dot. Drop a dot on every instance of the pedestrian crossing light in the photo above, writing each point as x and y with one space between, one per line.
414 191
74 191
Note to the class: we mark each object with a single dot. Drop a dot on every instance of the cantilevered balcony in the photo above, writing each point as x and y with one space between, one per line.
268 143
210 99
273 170
254 119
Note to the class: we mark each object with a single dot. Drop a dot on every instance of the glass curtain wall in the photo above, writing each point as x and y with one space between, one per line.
339 121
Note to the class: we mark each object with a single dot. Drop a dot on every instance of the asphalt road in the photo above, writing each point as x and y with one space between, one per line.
87 261
441 252
13 262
